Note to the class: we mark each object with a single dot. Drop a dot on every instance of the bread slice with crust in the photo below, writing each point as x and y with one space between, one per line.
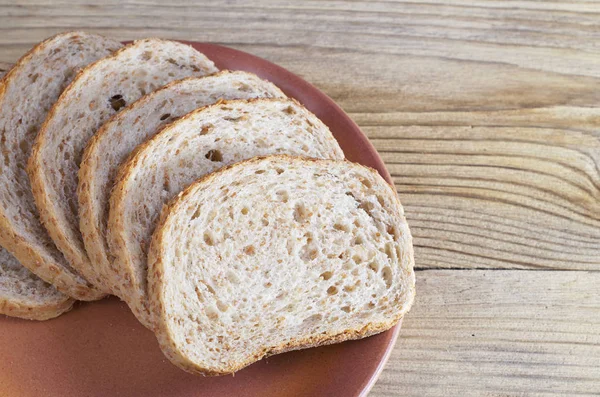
198 143
22 293
27 93
116 139
276 254
98 92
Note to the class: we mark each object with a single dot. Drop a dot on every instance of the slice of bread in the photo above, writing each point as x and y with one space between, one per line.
115 140
187 149
276 254
23 294
98 92
27 93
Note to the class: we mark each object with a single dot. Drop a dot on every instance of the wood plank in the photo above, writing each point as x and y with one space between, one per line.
486 112
498 333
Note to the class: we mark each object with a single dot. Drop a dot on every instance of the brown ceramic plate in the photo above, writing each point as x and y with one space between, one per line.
99 349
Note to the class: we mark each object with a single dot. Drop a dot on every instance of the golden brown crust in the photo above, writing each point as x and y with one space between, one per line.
28 311
15 243
157 304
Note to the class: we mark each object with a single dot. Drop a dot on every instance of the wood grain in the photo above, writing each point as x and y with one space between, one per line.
486 113
498 333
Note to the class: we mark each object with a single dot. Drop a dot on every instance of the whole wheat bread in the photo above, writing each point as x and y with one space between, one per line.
23 294
276 254
98 92
187 149
27 93
115 140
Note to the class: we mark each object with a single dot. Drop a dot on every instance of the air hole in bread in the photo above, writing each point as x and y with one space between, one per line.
244 211
199 294
366 183
367 206
392 231
308 253
214 155
374 266
209 238
279 170
281 295
389 251
332 290
346 309
172 61
165 116
233 119
398 252
147 55
244 87
265 222
313 319
249 250
289 110
356 259
386 273
282 195
358 240
258 172
208 287
341 227
326 275
24 146
222 306
206 129
268 285
381 201
93 105
117 102
166 182
301 213
211 313
349 288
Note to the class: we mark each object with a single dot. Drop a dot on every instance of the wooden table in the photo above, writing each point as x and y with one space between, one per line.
486 113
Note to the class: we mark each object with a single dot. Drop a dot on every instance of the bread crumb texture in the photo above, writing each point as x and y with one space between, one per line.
275 254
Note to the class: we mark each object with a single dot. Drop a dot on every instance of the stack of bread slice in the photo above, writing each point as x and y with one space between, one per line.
220 210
